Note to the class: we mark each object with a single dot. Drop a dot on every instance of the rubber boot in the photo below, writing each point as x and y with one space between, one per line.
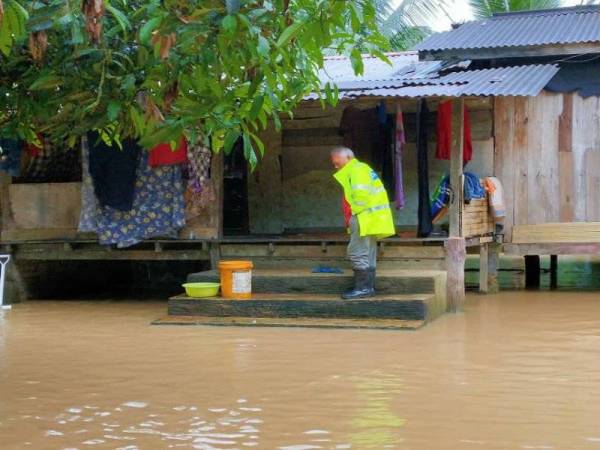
372 275
361 286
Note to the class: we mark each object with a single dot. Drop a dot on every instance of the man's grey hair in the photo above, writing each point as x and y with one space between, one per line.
344 151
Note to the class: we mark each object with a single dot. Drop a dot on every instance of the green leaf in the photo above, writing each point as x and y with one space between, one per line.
257 105
5 41
46 82
20 10
249 152
113 109
164 133
121 18
263 46
289 33
259 144
230 139
147 29
356 61
229 23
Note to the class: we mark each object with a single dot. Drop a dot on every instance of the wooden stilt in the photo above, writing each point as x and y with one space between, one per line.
489 254
553 271
15 288
484 257
532 271
456 254
493 264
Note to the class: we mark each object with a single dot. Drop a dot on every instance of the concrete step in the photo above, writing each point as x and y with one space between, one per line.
417 307
295 322
389 281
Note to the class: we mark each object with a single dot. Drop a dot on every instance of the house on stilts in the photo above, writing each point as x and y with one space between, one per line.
513 97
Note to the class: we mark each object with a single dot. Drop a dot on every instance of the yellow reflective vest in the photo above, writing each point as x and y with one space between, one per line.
368 199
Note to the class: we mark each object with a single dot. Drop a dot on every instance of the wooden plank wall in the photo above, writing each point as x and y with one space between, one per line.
547 157
265 187
44 205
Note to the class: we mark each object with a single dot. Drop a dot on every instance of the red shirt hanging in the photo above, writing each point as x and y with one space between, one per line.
163 155
444 133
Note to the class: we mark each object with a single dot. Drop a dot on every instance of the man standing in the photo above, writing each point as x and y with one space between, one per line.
368 217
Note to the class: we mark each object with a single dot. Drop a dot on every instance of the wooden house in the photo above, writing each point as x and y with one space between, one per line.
542 145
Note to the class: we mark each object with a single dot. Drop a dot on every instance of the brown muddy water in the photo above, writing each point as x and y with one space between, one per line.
516 371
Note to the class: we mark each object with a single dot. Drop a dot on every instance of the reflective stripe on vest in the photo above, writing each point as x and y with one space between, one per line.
377 208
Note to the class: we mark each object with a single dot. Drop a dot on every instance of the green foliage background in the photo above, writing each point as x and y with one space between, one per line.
214 70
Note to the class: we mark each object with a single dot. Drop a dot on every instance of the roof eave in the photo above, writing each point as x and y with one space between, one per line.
528 51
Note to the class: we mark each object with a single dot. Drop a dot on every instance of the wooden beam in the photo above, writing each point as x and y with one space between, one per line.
456 168
557 233
552 249
456 254
102 253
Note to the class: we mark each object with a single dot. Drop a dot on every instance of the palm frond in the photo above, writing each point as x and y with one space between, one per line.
485 8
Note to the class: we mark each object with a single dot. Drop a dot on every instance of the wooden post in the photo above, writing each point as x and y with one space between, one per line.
5 214
216 173
15 287
489 254
484 257
456 253
553 271
532 271
215 255
456 168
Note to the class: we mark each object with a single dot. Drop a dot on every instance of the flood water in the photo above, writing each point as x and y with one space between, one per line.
516 371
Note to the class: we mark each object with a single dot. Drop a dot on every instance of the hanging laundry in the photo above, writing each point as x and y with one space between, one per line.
399 141
164 155
472 187
113 171
425 226
50 163
440 200
495 192
10 157
198 167
444 133
157 210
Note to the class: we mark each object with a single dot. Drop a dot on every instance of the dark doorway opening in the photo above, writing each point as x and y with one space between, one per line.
235 195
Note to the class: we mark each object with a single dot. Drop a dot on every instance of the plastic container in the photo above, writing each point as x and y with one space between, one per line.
201 290
236 279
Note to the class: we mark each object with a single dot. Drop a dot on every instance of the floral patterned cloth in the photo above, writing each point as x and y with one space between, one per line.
158 206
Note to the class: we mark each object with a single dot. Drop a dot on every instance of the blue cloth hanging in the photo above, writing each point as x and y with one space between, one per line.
10 157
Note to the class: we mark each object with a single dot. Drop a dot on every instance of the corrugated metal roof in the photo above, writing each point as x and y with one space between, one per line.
338 68
577 24
502 81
